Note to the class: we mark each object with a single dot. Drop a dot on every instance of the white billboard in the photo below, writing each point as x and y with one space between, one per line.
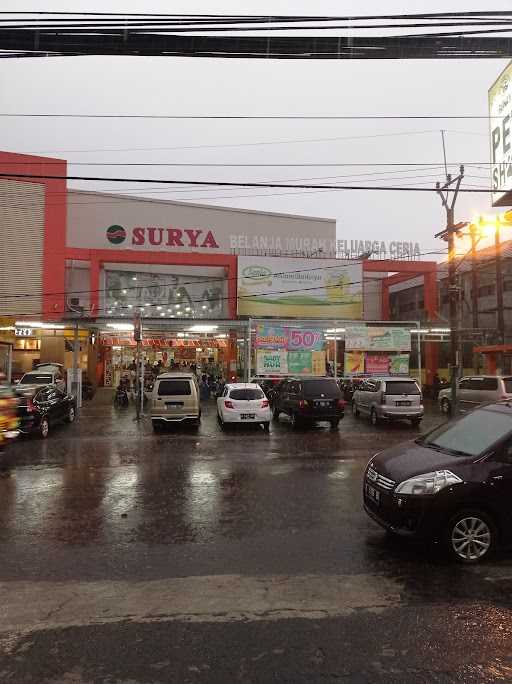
500 122
300 288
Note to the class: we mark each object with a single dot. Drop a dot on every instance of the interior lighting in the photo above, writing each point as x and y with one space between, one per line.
39 324
181 334
163 313
120 326
158 308
180 313
440 330
134 278
203 328
130 306
177 306
187 308
204 306
178 294
125 291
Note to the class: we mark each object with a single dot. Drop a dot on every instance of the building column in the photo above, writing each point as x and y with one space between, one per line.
94 279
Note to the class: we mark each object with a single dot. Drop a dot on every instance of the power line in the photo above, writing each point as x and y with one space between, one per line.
259 117
245 184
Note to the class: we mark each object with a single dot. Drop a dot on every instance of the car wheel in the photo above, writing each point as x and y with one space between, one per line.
416 422
71 415
374 417
334 423
470 536
44 428
355 410
446 407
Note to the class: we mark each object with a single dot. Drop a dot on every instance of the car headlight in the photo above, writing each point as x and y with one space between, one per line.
429 483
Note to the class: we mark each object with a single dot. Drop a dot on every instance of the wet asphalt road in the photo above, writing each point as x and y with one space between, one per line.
242 556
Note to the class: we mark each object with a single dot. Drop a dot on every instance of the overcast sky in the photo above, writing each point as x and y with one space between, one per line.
144 85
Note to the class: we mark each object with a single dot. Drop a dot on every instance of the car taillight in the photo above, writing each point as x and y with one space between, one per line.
264 403
341 403
229 404
30 406
302 403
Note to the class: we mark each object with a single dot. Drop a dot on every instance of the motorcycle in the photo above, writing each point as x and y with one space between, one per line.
121 399
9 422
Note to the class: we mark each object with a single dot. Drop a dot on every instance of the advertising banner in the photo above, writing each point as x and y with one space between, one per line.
300 288
377 364
399 364
371 338
354 363
318 363
300 363
271 362
293 339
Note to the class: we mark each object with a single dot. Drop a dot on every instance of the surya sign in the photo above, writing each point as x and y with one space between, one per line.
155 236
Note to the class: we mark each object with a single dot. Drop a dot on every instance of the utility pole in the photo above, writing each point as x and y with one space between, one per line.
448 234
474 288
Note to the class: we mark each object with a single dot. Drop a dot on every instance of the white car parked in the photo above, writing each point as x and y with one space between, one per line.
243 402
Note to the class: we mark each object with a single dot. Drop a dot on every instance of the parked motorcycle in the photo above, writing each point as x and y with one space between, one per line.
121 399
8 422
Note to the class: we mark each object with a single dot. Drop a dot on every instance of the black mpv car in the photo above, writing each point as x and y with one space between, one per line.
453 484
309 400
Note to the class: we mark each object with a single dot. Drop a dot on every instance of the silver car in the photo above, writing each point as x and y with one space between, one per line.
475 390
389 398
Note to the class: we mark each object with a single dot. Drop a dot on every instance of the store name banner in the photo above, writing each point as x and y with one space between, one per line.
157 342
292 339
369 338
500 129
299 288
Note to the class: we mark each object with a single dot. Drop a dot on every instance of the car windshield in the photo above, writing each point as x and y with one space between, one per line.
35 379
246 394
315 388
401 387
174 388
472 435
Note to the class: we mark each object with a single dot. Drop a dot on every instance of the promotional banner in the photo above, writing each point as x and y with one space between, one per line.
354 363
301 288
318 363
300 363
399 364
293 339
377 364
500 113
271 362
371 338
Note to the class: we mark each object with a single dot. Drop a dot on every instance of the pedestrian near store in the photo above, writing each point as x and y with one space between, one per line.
436 385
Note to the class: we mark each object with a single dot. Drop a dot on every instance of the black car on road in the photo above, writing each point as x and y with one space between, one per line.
307 400
40 407
453 484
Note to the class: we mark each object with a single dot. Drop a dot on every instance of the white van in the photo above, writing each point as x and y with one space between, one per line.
175 399
392 398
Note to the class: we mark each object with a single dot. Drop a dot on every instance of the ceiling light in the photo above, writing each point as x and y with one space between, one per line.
130 306
180 313
163 313
120 326
203 328
134 278
159 308
187 308
39 324
181 334
178 294
177 306
125 291
204 306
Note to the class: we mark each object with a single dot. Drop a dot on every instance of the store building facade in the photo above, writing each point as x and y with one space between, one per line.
91 260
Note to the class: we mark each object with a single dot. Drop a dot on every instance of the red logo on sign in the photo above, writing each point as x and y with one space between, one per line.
173 237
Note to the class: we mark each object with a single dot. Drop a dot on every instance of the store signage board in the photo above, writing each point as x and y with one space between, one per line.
300 288
500 130
354 363
370 338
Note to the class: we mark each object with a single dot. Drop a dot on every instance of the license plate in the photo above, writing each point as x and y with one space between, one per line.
372 493
322 403
403 403
174 403
247 416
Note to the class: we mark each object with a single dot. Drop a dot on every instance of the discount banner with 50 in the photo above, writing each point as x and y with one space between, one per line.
291 339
